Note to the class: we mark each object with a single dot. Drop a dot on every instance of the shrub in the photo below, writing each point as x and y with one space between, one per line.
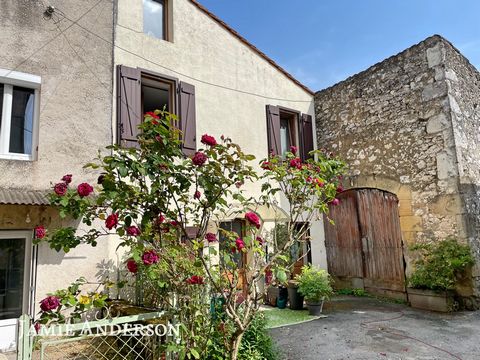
440 264
314 283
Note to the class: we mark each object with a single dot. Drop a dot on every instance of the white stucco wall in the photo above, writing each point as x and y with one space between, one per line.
206 55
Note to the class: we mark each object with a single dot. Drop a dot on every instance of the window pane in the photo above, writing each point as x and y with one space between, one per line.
236 226
1 104
12 259
153 18
155 99
284 136
21 129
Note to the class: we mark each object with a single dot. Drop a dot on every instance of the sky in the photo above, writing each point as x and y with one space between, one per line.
322 42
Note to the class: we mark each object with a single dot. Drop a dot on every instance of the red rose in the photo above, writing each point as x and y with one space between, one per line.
40 232
37 327
195 280
132 266
259 240
239 244
208 140
67 178
340 189
293 150
199 158
160 219
267 165
150 257
211 237
49 303
174 223
60 189
112 221
84 189
152 114
319 182
197 195
296 163
133 231
253 219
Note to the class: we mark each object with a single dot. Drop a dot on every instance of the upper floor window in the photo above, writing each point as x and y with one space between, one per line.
19 98
155 18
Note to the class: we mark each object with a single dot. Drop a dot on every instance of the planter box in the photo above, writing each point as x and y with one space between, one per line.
431 300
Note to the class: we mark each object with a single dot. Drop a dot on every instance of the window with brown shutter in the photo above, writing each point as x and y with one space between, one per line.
129 108
306 129
141 91
273 129
187 118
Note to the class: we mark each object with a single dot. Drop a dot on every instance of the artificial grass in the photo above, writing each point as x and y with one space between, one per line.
282 317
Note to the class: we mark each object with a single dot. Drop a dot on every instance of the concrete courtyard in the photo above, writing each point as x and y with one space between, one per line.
362 328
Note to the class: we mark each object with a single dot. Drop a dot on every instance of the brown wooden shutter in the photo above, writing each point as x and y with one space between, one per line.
273 130
129 105
188 124
306 132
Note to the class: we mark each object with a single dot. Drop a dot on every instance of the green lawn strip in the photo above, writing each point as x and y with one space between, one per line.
283 317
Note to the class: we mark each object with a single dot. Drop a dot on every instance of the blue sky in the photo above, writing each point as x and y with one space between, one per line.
322 42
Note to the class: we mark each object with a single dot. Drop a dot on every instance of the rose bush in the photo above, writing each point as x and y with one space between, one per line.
162 205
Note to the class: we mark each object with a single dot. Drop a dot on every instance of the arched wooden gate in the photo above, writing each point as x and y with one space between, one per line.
364 245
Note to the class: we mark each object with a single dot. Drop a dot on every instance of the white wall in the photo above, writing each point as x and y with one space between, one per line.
204 52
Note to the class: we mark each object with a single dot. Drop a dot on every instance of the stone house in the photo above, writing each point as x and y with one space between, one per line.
407 126
76 76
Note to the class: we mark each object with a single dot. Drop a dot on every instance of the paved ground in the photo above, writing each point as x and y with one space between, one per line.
368 329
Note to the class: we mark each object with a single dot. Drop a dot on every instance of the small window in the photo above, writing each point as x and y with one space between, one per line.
155 18
18 115
157 94
288 130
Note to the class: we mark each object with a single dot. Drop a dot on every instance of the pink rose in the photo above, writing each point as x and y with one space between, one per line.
195 280
84 189
253 219
150 257
49 303
239 244
132 266
197 195
112 221
335 202
67 178
60 189
133 231
208 140
211 237
40 232
199 158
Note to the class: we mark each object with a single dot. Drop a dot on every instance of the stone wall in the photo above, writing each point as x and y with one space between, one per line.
463 81
393 125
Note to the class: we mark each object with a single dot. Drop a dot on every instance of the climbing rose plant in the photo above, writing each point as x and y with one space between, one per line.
166 209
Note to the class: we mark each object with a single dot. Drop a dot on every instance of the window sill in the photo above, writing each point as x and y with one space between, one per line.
21 157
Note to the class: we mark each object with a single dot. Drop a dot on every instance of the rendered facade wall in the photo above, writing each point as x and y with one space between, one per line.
75 117
205 54
407 125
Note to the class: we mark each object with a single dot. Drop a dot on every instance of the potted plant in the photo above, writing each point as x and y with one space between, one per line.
438 269
294 296
315 285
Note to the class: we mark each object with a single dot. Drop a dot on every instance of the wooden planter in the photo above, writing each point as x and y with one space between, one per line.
441 301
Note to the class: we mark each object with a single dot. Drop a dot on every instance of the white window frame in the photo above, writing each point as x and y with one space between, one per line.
9 79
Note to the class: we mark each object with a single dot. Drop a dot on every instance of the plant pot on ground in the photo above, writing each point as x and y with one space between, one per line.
294 296
315 285
437 270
